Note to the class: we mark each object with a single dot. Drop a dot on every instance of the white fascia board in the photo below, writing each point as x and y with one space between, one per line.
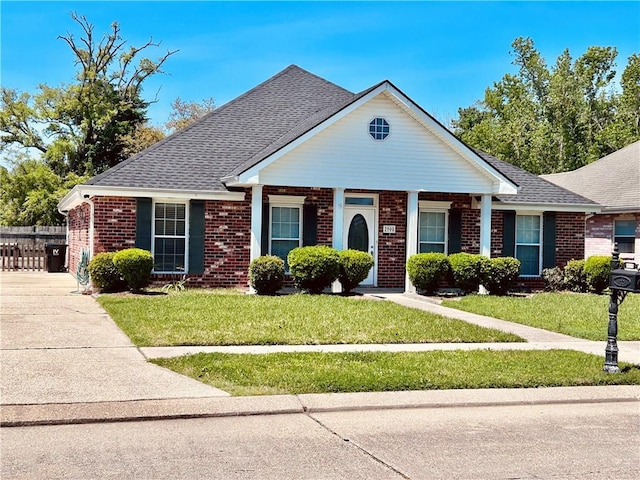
501 184
76 196
252 175
546 207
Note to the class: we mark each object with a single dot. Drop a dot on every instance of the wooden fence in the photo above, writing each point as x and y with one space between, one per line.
22 256
23 248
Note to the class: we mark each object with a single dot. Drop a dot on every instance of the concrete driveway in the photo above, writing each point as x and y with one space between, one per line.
57 346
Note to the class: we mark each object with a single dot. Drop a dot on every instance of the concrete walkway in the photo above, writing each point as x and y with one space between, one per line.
63 360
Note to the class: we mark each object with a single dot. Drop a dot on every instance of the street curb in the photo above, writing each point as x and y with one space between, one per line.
188 408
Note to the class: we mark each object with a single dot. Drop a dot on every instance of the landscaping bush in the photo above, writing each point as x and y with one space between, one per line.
467 270
574 276
597 270
266 274
104 274
354 268
135 266
501 274
314 268
553 279
427 270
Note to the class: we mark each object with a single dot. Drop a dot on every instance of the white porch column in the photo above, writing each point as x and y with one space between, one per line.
411 241
338 227
256 221
485 231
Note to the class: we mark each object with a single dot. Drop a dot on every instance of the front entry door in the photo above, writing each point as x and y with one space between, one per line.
360 233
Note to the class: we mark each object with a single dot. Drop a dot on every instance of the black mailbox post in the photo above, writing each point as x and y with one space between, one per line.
622 281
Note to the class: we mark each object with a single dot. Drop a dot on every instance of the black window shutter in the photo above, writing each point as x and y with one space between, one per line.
309 225
196 237
509 234
455 231
143 223
264 239
549 239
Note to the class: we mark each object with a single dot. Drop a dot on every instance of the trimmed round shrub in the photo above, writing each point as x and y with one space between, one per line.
574 276
354 268
597 270
266 274
104 274
135 266
427 270
467 270
501 275
314 268
553 279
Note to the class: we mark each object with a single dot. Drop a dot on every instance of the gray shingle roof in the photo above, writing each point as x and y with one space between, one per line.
195 159
248 129
532 189
613 181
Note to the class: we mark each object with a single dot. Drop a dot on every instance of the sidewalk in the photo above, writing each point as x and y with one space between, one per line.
63 360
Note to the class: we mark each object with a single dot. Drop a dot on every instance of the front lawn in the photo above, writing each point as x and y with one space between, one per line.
578 315
196 317
297 373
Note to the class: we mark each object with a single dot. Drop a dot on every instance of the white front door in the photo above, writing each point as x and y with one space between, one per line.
360 233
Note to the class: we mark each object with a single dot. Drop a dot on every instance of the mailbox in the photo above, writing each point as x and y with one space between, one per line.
626 279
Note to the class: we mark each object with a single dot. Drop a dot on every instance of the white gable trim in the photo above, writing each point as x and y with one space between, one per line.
79 193
501 184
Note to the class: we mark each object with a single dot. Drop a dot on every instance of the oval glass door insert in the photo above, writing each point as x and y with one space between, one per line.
358 234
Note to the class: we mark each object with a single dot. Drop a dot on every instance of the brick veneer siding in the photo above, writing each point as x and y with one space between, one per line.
392 246
570 237
599 235
114 224
78 235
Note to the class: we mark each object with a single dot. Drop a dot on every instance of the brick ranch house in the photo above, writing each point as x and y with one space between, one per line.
613 182
298 160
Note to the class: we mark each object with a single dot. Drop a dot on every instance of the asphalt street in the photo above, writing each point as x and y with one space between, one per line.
570 441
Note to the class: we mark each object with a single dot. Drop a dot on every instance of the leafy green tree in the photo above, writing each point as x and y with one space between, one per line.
30 192
555 119
81 127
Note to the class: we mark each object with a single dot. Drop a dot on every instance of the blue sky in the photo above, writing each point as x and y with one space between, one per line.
441 54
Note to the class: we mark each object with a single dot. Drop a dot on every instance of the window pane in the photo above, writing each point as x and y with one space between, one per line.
285 222
432 227
431 247
281 248
528 229
529 257
626 244
169 253
625 227
358 201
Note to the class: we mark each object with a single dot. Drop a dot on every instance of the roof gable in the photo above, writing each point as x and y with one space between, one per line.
493 180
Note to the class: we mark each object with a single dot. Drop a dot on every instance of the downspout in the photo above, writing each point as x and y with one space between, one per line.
92 208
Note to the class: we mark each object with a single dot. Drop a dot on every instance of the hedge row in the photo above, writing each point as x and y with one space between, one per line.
427 271
590 275
312 268
114 272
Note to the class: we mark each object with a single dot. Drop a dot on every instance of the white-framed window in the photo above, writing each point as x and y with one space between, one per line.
529 244
624 234
170 221
285 225
433 220
379 128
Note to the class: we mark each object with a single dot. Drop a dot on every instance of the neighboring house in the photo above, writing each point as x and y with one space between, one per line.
297 161
613 182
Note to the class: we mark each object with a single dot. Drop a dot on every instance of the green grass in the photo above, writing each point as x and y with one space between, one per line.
297 373
223 318
579 315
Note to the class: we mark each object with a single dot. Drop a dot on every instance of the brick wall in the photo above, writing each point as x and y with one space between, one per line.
114 224
392 246
599 235
570 237
78 237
